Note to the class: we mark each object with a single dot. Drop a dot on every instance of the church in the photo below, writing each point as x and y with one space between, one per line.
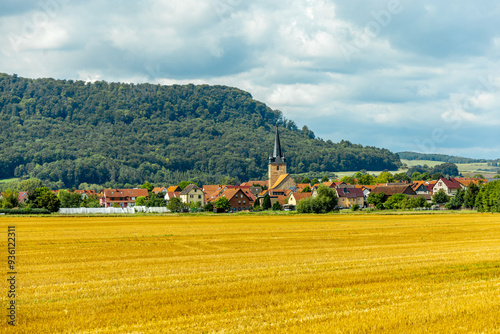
278 177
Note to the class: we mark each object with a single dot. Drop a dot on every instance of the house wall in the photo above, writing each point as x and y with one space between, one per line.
240 201
346 202
195 195
440 185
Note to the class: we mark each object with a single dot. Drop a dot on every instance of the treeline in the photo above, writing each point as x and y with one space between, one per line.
68 133
488 199
439 157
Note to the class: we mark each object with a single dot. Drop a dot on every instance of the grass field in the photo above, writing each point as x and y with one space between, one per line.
256 274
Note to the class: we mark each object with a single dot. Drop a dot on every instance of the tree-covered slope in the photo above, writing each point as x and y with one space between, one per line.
439 157
71 132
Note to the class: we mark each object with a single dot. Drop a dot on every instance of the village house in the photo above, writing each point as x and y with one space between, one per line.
121 197
169 195
85 193
347 197
238 199
449 185
192 194
159 190
296 197
421 187
388 191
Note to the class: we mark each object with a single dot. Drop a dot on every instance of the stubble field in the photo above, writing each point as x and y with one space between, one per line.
256 274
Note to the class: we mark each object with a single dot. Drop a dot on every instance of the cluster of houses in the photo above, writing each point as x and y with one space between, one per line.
280 187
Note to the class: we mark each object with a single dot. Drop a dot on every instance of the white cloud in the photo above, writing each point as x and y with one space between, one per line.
424 65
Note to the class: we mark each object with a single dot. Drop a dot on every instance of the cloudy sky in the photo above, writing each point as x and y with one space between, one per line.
401 74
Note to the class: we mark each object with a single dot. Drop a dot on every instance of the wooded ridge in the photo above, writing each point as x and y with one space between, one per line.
69 132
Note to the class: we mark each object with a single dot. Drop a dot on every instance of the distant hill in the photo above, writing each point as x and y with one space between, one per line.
439 157
114 134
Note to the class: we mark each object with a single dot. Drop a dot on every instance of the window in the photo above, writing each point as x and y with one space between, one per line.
239 202
190 196
241 196
244 202
277 167
199 196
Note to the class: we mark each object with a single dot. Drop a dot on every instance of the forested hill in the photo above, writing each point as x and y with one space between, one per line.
70 132
439 157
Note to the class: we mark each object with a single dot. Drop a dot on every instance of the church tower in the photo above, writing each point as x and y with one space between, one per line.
277 162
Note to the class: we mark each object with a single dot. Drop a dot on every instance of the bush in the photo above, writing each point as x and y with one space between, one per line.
26 211
355 207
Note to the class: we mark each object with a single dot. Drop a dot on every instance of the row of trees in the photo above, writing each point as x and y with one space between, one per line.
463 199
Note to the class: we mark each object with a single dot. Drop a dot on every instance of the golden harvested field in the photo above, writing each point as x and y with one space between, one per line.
256 274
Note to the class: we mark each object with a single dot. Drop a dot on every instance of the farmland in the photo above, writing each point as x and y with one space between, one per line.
257 274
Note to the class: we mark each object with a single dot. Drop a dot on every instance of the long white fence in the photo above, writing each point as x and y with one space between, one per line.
71 211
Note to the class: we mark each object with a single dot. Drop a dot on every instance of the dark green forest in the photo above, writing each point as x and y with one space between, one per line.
68 133
440 157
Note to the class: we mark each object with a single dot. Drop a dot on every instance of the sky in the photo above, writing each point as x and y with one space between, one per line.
405 75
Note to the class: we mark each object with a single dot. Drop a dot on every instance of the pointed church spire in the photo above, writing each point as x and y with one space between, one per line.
277 156
277 145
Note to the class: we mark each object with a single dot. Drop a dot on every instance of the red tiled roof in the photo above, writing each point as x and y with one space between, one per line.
451 183
172 189
299 196
124 193
394 189
350 192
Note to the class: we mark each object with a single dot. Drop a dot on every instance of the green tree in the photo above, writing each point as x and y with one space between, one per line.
228 180
69 199
314 181
470 195
396 201
325 179
222 203
325 202
266 203
30 185
10 199
147 186
91 201
377 200
348 179
419 202
401 177
437 176
155 201
457 201
276 206
426 176
440 197
307 189
175 204
48 200
306 180
184 184
479 176
140 201
209 207
256 203
384 177
366 179
416 176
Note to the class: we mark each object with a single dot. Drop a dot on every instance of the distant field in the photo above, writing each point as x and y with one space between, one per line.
8 180
257 274
478 167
